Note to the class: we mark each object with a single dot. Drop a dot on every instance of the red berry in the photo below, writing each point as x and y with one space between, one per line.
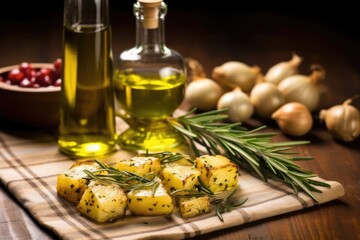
30 74
58 64
26 83
56 75
46 72
43 80
45 77
15 76
25 67
57 83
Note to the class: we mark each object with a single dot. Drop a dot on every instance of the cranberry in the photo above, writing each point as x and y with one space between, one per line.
44 77
31 74
43 80
56 75
46 72
33 79
25 67
26 83
15 76
58 64
57 82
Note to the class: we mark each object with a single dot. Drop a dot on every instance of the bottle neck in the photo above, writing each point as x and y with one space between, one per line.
150 33
150 38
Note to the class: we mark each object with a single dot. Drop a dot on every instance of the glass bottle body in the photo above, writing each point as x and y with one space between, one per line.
87 122
149 86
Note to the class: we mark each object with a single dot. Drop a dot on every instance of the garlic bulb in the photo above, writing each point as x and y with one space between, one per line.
238 104
203 94
303 89
266 98
293 118
236 74
281 70
343 121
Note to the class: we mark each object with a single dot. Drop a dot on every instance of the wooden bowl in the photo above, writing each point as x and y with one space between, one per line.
36 107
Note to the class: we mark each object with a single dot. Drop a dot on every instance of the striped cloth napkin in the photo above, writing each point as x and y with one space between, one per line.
30 162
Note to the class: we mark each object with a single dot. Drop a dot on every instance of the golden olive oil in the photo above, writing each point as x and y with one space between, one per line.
148 98
87 124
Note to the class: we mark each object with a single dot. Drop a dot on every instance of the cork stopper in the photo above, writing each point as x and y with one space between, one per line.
151 13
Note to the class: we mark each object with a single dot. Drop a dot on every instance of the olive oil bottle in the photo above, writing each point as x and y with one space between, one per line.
149 82
87 122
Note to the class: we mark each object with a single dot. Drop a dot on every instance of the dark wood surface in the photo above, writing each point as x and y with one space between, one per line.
213 35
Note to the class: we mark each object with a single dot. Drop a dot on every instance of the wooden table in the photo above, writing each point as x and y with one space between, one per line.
213 35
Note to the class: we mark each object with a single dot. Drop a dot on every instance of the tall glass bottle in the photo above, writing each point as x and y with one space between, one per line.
87 123
149 83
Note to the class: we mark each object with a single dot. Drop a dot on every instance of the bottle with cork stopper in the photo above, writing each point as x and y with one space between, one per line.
149 82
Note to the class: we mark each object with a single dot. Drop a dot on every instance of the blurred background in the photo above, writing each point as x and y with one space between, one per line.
256 33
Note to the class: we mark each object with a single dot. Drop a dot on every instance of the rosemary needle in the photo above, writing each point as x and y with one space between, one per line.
221 204
125 179
250 149
168 157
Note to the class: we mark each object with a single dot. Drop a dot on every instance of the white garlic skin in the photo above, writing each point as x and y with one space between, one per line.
293 118
238 104
342 121
236 74
266 99
282 70
203 94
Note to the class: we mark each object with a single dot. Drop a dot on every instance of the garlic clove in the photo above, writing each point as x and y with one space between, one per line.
342 121
293 118
203 94
281 70
266 98
234 74
238 104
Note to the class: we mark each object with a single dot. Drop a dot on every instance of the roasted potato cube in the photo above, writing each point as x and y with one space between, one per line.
144 201
71 185
102 201
217 172
140 165
179 177
191 207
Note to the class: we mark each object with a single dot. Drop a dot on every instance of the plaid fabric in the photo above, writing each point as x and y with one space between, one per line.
30 162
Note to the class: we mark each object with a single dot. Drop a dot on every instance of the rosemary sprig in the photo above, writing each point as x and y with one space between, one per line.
168 157
227 204
250 149
222 205
125 179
